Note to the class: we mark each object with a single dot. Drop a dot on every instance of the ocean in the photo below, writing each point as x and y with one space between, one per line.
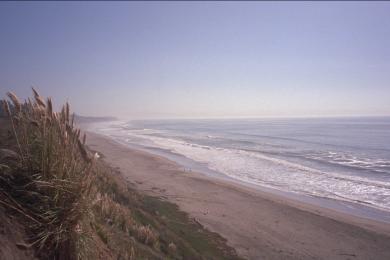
338 159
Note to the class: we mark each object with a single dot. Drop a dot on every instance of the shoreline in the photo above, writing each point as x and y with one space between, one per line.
359 210
344 206
356 207
256 223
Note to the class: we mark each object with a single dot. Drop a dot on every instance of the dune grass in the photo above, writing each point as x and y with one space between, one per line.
47 175
75 206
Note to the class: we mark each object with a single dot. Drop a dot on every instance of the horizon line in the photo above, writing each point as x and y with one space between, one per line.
248 117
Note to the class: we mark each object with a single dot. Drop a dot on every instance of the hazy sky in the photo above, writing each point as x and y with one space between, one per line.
210 59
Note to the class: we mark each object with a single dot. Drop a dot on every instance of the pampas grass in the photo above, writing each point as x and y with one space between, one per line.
76 208
49 182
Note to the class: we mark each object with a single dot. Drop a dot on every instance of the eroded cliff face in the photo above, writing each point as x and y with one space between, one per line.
13 244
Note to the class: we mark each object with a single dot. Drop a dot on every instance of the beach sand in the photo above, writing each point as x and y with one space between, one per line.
259 225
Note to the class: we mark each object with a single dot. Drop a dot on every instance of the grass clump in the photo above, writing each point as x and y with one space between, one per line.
77 207
150 227
46 175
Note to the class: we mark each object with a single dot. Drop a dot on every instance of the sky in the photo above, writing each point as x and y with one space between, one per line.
200 59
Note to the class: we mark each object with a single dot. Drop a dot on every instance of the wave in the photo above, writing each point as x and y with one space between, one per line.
310 142
381 166
259 169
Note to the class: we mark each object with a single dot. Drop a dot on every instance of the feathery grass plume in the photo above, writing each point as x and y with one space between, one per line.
15 101
54 169
6 107
67 112
62 114
72 120
49 108
13 124
55 116
38 98
34 92
146 235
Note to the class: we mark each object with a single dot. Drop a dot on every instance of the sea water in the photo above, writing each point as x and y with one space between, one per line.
343 159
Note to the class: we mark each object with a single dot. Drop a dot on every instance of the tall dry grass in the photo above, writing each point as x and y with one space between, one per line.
46 175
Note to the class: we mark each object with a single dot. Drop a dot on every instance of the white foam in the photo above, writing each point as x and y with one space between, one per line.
272 172
349 160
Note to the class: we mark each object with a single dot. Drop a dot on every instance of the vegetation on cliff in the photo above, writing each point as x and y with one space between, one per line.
72 205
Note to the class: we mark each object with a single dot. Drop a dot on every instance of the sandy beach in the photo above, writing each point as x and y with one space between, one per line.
257 224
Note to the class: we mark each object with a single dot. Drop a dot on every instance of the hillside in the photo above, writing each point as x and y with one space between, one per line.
62 201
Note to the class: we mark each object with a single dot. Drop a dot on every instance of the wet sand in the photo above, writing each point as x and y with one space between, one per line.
259 225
